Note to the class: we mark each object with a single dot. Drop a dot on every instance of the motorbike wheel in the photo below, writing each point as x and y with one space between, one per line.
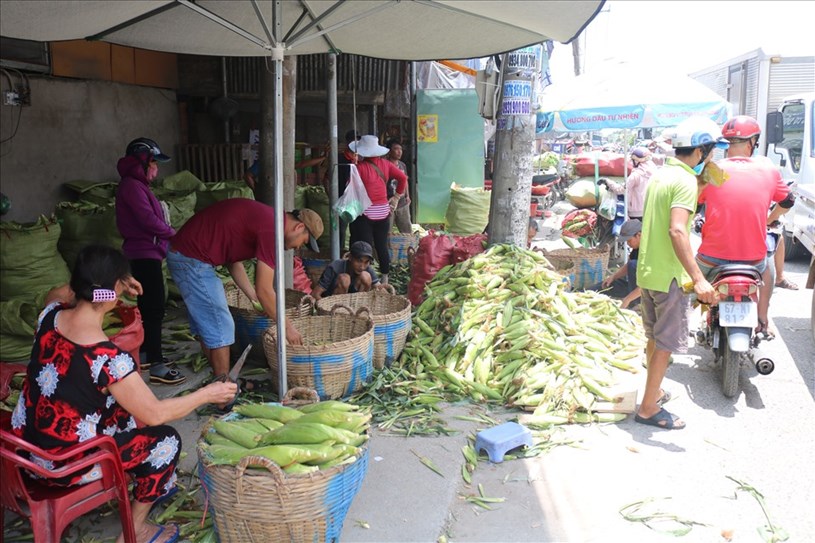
731 364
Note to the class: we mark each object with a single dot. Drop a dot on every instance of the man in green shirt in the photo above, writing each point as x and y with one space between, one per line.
666 261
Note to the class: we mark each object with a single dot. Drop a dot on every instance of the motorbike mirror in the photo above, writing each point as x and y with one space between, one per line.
775 127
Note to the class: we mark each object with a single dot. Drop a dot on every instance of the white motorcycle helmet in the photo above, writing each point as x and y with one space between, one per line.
696 132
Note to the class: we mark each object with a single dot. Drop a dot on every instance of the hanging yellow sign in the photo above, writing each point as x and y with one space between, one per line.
428 129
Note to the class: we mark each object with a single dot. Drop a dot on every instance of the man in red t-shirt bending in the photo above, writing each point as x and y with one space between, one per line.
225 234
735 228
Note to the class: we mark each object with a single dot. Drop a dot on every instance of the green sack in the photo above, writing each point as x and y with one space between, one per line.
317 200
181 205
29 260
468 211
300 196
85 223
93 191
222 190
183 182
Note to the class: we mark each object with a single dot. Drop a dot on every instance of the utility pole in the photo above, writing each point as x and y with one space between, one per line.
514 138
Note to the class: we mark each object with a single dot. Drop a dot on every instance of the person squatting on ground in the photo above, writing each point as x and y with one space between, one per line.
666 260
373 226
623 283
735 227
353 273
80 385
401 215
637 182
226 234
144 223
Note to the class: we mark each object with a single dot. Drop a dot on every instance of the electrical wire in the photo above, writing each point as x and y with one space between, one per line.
20 114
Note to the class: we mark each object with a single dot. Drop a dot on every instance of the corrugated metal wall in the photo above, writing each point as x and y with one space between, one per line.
369 74
751 88
791 76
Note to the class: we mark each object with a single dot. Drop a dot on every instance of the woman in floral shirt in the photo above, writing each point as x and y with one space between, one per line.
80 385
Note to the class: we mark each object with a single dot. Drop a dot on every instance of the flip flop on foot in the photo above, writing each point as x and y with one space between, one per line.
787 284
664 398
663 419
168 533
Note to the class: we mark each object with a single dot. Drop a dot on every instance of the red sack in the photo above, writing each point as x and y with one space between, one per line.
300 279
466 247
611 164
131 336
435 252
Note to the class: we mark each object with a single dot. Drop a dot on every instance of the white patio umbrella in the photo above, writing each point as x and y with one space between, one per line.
625 95
388 29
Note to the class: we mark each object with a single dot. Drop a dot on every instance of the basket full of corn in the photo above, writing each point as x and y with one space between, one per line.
336 357
276 473
390 314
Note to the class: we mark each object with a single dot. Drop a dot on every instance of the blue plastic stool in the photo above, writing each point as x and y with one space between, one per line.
498 440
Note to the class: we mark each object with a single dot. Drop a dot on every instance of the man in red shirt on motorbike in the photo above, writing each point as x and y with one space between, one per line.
735 227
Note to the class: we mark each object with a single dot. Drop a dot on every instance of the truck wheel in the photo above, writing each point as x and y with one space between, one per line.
792 250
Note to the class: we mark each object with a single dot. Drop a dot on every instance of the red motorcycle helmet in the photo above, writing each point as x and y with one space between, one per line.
741 127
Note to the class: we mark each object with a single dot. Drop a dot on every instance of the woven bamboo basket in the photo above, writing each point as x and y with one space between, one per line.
264 504
250 324
336 357
390 314
583 267
400 245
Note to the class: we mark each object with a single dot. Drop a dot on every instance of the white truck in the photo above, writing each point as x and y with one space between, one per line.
791 145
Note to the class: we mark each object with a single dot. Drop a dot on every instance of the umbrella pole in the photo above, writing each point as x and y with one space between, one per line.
625 170
279 204
334 191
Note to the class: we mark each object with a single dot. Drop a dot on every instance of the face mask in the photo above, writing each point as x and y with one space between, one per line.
698 168
152 171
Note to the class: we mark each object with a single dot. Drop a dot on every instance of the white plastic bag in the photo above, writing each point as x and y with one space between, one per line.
608 204
354 201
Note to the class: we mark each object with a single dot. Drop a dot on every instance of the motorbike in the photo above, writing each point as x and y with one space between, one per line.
728 326
547 189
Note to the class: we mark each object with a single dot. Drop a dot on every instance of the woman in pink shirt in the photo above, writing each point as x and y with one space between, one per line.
637 182
373 225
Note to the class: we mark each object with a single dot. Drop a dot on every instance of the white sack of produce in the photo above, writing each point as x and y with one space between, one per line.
582 193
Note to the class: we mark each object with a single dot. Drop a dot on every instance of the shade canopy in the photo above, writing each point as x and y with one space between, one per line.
390 29
622 95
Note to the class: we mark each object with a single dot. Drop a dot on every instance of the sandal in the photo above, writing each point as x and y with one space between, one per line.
787 284
663 419
167 375
664 398
176 533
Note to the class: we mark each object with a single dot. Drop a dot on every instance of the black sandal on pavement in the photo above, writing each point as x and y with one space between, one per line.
165 375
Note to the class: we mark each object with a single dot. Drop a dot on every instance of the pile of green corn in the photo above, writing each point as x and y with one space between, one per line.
501 327
303 440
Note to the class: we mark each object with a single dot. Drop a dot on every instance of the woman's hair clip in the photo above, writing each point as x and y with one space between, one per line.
103 295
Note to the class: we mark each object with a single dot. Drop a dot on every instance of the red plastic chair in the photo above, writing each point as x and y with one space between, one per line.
50 509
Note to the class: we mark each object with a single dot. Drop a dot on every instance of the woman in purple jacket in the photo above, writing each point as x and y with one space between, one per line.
145 227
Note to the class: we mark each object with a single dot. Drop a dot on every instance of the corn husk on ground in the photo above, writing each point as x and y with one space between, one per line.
501 327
